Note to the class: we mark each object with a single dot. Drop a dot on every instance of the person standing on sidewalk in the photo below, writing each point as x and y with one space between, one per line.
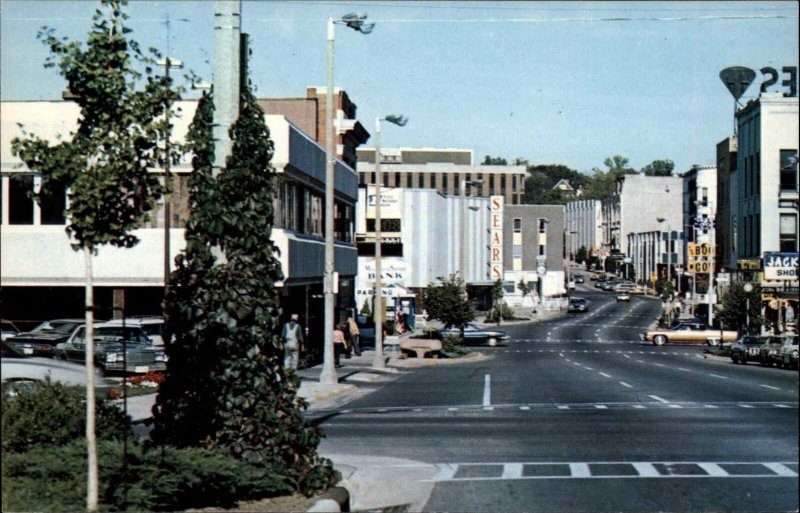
292 336
355 336
338 344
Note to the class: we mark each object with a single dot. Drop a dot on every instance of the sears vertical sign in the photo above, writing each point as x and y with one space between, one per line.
780 266
496 243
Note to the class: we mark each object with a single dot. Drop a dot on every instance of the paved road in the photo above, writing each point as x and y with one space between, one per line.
576 414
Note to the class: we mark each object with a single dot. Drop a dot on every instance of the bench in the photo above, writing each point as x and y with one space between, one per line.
420 347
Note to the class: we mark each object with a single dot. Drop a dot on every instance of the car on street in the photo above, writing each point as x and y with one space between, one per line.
790 353
7 329
41 340
474 334
608 285
598 283
153 326
771 351
59 325
116 349
624 296
748 348
18 368
688 333
578 304
579 278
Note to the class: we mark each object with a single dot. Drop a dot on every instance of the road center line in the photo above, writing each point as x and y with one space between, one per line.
659 399
771 388
604 374
625 384
717 376
684 370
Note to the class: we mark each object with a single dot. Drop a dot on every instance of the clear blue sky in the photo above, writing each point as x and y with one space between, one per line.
547 81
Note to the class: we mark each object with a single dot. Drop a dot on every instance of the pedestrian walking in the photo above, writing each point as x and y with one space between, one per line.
355 335
292 335
338 345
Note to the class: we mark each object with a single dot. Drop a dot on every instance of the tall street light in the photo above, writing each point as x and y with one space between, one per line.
748 288
356 22
167 64
462 258
377 313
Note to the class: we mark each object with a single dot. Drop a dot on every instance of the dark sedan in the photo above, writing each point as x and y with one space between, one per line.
116 350
42 340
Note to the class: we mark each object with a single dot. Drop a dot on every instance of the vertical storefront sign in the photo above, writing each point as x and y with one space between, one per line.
496 234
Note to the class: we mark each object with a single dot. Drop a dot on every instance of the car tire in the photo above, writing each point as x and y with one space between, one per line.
713 342
735 358
659 340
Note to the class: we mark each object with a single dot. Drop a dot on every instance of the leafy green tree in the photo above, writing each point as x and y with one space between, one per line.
225 384
365 309
523 287
105 164
494 161
735 310
659 168
445 301
618 165
582 255
542 178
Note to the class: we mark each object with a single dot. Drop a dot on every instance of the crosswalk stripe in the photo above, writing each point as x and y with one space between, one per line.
512 471
579 470
712 469
780 469
646 469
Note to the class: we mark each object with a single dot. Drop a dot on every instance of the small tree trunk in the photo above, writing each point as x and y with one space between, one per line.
91 440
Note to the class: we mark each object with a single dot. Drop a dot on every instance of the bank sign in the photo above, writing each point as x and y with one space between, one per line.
781 266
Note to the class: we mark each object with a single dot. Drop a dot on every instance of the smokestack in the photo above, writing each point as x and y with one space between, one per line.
227 33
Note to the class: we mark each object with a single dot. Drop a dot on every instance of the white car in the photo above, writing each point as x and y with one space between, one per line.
16 368
153 326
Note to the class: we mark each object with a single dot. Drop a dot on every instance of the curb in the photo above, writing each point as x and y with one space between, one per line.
413 363
334 500
339 390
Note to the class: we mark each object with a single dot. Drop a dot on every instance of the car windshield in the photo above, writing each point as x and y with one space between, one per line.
115 334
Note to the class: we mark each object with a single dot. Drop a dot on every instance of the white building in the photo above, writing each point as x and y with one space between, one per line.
641 204
42 277
766 213
421 239
699 219
584 225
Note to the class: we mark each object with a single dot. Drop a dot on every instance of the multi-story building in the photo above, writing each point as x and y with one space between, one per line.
584 226
441 169
766 212
726 202
699 219
640 204
421 240
42 277
309 115
534 250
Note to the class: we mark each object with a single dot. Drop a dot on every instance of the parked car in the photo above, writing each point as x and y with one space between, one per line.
475 334
771 351
579 278
624 296
748 348
139 356
7 329
41 341
18 368
688 333
60 325
789 353
153 326
578 304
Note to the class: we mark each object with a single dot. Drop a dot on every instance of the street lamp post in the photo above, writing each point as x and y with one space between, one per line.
748 288
168 64
355 22
462 266
377 313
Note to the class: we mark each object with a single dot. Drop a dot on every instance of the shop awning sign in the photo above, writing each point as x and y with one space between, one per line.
781 266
